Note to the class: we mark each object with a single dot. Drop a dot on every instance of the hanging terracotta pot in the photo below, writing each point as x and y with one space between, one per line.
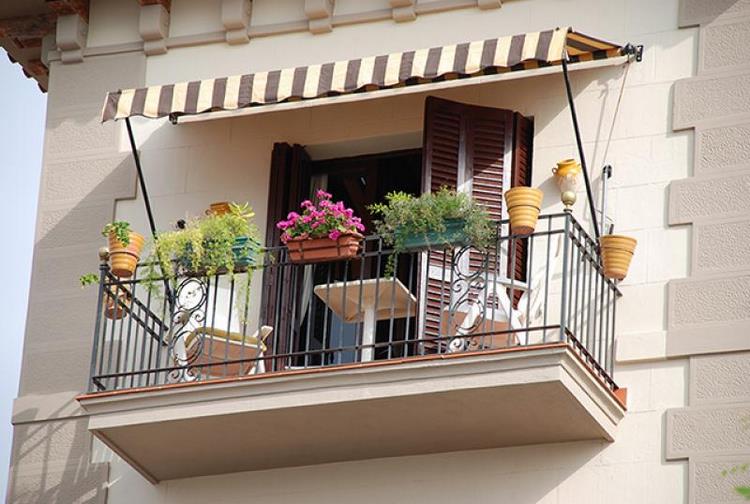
114 310
616 252
218 208
124 259
524 205
324 249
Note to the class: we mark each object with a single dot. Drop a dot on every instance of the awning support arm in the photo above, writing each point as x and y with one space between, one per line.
574 116
146 200
141 180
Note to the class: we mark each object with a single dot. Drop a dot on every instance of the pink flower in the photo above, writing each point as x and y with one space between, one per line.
306 204
323 195
306 219
334 235
293 216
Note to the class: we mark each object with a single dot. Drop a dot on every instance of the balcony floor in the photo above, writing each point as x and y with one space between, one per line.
432 404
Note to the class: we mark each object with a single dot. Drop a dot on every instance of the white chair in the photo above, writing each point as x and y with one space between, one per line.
206 349
492 313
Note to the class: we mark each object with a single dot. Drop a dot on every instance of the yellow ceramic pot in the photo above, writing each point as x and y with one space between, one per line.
524 205
617 252
218 208
567 167
123 259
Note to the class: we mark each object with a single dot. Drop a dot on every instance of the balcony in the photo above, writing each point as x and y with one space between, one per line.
453 349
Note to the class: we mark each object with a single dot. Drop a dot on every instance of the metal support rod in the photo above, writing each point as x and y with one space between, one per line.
574 116
606 175
141 180
146 199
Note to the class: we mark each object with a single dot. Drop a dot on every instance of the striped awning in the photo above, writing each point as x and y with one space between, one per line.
370 74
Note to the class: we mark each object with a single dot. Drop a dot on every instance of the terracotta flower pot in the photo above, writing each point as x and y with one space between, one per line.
617 252
324 249
524 205
218 208
123 259
114 310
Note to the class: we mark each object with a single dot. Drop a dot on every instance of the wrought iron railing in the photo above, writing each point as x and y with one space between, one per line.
544 288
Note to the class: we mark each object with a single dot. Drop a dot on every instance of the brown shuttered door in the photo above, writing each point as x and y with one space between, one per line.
289 184
523 135
464 149
443 157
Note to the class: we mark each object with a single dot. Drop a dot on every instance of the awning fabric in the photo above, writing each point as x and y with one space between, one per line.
517 52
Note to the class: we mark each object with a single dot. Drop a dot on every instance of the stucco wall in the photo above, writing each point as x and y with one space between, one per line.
190 165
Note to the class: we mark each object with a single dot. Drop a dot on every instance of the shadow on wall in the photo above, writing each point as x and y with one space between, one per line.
51 459
526 474
51 464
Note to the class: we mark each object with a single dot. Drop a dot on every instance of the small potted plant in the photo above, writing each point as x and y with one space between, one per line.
616 253
324 231
524 205
432 220
125 246
217 242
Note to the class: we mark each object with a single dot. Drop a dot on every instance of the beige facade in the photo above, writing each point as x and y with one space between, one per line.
678 123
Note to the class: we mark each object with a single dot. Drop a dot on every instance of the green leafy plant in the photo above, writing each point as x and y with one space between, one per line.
743 490
120 229
404 214
207 245
88 279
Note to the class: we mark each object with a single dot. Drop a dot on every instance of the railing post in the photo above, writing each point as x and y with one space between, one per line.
565 279
103 273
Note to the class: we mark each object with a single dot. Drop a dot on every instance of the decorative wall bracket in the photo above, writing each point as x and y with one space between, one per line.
403 10
153 25
319 13
235 16
70 37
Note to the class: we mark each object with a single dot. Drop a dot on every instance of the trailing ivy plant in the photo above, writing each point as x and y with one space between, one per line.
88 279
404 214
206 246
120 229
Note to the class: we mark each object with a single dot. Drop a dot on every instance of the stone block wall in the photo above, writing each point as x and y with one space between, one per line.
709 311
84 172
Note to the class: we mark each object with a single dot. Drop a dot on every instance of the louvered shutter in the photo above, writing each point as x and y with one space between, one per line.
523 133
443 157
289 184
466 148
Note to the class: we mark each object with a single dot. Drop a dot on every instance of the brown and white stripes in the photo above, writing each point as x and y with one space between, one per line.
503 54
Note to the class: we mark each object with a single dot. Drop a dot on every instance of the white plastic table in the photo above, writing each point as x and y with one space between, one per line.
380 298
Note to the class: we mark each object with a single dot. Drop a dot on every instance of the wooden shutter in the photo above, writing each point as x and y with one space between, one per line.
443 158
466 147
523 135
289 184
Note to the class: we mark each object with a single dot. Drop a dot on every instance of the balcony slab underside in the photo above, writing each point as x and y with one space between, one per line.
420 406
